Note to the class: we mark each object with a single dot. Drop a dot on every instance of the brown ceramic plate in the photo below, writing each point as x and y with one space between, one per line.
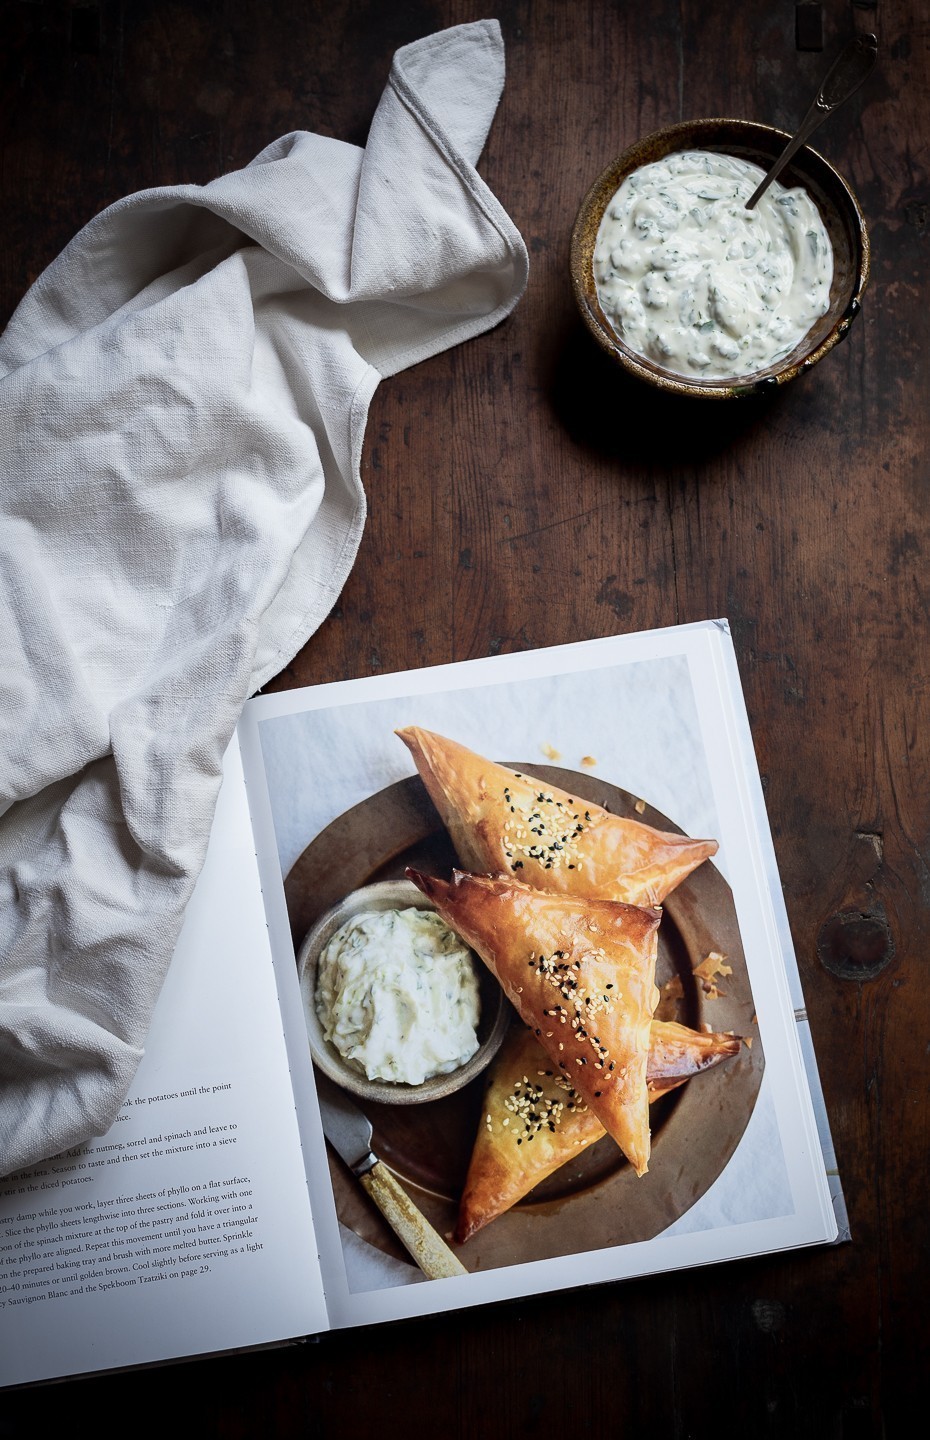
760 144
596 1200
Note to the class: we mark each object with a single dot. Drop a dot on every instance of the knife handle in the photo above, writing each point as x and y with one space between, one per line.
428 1249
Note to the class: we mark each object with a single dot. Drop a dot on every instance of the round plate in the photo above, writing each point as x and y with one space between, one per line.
596 1200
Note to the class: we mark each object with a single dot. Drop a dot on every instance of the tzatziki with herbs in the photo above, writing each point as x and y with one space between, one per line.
691 279
397 995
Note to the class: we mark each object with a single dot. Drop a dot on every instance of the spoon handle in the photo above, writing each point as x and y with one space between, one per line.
852 66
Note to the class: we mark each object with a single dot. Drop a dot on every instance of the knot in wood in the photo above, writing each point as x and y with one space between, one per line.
855 944
769 1315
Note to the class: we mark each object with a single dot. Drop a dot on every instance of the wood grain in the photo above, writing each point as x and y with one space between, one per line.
522 494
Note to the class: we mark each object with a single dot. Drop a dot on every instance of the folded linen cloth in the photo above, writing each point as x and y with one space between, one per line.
183 396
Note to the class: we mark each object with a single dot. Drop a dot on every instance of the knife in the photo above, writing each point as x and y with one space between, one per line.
350 1134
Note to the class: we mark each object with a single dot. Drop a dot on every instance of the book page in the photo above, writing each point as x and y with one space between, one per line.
743 744
647 726
186 1229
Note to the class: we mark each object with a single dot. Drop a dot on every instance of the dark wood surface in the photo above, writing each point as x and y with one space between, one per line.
522 494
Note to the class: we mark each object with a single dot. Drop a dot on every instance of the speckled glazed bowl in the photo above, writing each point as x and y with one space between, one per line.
761 144
495 1016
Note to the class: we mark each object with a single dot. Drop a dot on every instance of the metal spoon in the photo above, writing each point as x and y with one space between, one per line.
852 66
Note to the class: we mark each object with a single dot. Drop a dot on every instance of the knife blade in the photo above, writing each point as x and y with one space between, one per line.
349 1132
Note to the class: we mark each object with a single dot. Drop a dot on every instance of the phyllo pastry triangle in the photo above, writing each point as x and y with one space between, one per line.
581 973
504 821
676 1052
533 1120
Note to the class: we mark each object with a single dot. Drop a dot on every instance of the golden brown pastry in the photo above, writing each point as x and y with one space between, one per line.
581 973
676 1052
506 822
533 1121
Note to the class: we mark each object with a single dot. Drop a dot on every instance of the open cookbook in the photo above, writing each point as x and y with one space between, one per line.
486 989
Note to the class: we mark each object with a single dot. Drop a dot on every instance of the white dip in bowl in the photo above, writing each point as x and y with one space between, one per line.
690 279
397 995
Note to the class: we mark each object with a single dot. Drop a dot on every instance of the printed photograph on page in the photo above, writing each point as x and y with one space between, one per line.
521 966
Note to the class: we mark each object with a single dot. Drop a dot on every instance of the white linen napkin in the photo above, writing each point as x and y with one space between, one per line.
183 396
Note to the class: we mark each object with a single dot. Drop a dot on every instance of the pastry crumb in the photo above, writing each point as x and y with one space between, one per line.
639 807
550 752
713 964
747 1041
706 973
588 761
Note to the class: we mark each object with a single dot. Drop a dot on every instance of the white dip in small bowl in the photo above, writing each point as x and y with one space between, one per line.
690 279
397 1009
397 995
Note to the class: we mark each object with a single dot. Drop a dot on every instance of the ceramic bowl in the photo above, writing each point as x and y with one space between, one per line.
495 1014
761 144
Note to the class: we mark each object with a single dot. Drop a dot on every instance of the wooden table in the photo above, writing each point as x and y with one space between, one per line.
521 494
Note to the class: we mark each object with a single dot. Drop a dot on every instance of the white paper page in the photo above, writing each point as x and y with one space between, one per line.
187 1228
657 714
730 679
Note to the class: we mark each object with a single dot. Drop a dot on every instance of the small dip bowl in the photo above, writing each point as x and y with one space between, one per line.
761 144
495 1016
